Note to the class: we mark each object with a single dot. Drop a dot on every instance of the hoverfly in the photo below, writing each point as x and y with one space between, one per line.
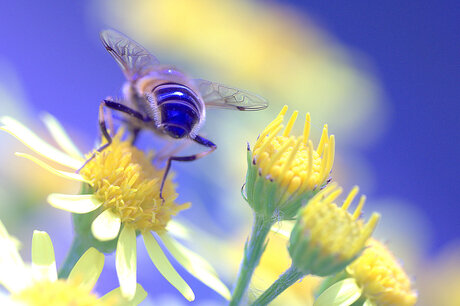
164 99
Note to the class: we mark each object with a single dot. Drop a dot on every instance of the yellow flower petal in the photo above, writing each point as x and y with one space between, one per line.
30 139
60 136
64 174
106 226
195 265
88 268
126 262
345 292
79 204
164 266
43 260
116 295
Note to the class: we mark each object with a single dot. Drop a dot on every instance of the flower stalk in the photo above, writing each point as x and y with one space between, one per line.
77 249
285 281
253 251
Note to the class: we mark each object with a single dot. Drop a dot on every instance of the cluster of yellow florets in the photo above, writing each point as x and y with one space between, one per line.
332 228
291 160
124 179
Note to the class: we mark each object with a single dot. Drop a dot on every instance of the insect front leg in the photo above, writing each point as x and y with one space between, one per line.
103 126
198 139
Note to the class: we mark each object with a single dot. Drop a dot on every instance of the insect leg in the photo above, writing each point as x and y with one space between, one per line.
103 127
198 139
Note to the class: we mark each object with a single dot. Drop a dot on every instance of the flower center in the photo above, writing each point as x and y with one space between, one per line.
125 180
291 160
383 280
333 229
60 292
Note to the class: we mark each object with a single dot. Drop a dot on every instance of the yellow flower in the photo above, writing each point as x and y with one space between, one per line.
287 169
326 237
382 279
38 285
124 194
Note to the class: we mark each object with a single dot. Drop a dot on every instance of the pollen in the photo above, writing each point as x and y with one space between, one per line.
332 228
125 181
60 292
291 160
383 280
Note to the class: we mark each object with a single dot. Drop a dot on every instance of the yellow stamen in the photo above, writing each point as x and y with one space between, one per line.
290 124
278 155
350 197
324 139
359 207
331 155
306 129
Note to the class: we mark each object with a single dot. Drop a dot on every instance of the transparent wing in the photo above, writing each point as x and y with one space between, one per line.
223 96
134 60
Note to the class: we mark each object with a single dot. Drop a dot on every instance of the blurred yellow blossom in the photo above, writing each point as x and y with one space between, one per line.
39 285
382 279
327 237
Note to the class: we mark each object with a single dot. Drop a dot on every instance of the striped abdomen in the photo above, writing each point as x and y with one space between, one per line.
179 107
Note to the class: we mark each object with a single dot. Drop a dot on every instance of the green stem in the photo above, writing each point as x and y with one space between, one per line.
286 280
252 254
76 251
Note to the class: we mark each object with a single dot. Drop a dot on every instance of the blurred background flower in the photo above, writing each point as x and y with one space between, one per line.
382 76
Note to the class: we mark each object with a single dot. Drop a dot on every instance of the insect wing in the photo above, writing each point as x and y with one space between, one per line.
134 60
223 96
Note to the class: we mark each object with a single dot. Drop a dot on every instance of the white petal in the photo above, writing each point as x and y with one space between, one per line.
106 226
164 266
34 142
115 294
14 275
75 203
195 265
88 268
368 302
178 230
65 174
60 136
43 260
125 261
344 292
